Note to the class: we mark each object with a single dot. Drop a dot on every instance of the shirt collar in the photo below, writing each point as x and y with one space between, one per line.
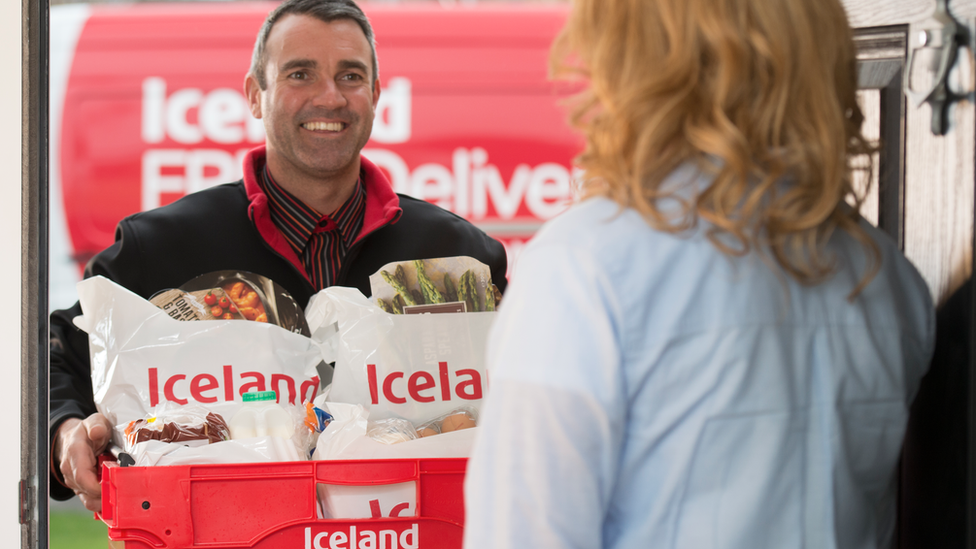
298 221
382 203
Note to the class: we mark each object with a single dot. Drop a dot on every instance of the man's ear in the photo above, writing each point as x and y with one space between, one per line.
252 91
376 93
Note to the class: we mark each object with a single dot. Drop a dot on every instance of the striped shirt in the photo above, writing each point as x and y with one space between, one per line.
321 241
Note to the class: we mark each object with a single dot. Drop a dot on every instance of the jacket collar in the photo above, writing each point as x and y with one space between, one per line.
382 204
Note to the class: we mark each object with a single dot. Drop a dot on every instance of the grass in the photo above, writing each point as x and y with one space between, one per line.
74 530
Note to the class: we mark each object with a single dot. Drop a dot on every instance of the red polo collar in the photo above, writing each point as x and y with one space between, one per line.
382 205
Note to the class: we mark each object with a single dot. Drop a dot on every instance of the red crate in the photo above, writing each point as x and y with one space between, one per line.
273 505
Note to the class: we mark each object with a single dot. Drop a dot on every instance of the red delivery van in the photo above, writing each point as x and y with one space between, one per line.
147 105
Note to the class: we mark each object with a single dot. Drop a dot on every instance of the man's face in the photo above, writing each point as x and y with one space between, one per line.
319 103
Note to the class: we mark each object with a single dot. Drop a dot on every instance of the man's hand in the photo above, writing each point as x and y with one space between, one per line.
76 447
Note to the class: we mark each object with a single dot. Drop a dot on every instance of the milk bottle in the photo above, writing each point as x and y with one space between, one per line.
261 416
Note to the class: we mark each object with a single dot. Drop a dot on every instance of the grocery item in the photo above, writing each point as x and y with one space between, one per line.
428 286
388 307
456 422
189 426
496 295
250 296
397 281
200 305
467 292
246 300
348 438
232 295
391 431
418 297
450 291
430 292
316 419
259 416
490 298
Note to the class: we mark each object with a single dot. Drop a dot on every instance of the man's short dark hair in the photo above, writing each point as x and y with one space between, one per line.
324 10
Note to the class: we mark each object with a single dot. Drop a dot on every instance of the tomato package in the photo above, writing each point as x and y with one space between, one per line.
233 295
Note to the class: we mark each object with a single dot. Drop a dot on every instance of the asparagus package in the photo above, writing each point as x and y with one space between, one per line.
441 285
416 367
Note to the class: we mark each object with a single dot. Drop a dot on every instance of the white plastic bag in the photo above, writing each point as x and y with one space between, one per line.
416 367
141 358
346 439
251 450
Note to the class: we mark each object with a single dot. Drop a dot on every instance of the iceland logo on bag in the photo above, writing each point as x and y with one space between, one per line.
421 381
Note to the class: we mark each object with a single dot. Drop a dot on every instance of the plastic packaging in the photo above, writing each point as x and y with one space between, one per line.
259 416
456 420
391 431
347 438
316 419
440 285
187 425
254 297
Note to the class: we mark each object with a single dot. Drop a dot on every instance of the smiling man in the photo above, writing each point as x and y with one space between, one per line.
310 212
315 84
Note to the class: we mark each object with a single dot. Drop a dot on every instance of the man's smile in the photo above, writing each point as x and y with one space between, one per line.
324 126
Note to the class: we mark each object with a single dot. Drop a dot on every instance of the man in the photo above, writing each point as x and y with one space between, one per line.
314 81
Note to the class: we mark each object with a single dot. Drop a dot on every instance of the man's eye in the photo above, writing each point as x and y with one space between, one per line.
298 75
352 77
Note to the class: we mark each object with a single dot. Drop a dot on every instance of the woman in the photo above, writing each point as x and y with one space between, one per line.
711 349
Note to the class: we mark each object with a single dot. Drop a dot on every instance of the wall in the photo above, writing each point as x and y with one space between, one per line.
10 261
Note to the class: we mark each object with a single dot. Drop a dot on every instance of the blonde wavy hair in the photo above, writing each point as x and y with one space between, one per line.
756 92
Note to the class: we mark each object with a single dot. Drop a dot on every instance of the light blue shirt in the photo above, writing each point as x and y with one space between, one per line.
648 390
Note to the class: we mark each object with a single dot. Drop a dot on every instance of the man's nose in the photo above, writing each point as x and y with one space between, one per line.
329 95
